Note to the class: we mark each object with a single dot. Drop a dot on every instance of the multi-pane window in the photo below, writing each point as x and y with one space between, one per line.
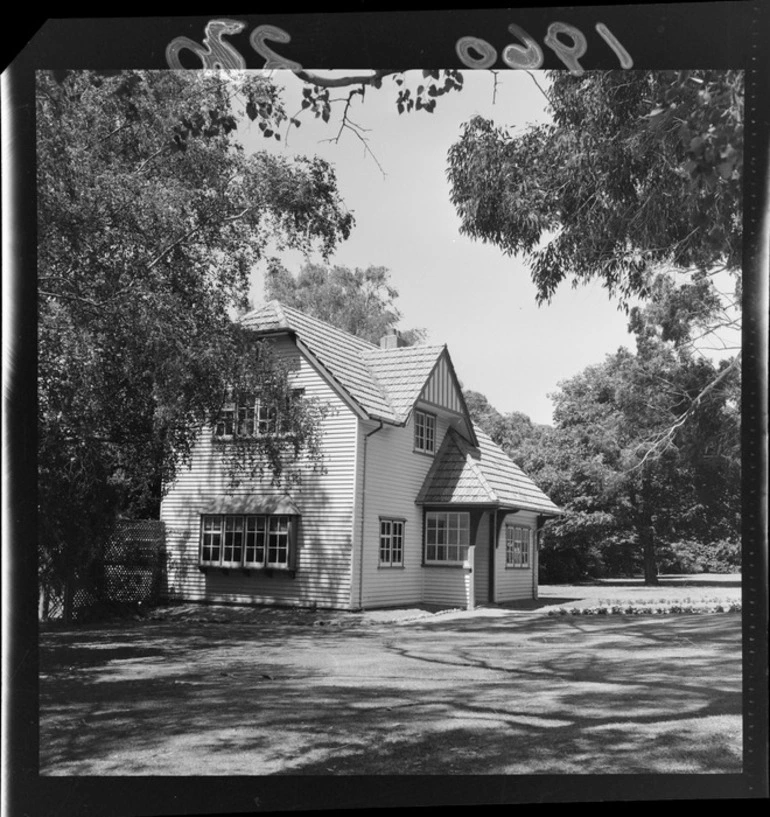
252 417
447 536
391 542
424 432
278 541
247 541
517 546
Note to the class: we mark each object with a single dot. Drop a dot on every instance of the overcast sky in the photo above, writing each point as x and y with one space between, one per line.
464 293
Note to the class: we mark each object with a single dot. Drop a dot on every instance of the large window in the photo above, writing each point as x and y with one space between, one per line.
447 536
252 417
248 541
391 542
517 546
424 432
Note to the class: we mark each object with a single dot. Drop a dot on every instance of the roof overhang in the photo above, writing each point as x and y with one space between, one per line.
267 504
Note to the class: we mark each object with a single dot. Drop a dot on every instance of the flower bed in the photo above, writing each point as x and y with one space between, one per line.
650 607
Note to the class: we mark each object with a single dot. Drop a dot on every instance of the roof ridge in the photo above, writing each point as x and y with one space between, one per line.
278 306
326 324
417 347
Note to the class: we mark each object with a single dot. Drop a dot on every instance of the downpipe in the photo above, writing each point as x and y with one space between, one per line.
363 520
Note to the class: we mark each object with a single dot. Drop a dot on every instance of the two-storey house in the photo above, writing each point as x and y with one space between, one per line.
414 505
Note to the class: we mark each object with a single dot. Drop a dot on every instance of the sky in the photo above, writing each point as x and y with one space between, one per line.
466 294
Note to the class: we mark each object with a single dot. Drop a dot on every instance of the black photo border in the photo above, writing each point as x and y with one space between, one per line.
660 35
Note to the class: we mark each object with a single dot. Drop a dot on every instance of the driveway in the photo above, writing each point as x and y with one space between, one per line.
490 692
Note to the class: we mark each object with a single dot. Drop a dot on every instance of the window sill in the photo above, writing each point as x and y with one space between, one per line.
265 571
517 567
391 567
424 453
452 565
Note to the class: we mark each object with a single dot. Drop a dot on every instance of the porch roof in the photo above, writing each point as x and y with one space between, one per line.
474 475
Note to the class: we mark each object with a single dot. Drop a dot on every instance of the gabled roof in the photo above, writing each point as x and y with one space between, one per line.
402 372
384 383
466 474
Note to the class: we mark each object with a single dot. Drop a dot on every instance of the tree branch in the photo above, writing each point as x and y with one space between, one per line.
662 442
343 82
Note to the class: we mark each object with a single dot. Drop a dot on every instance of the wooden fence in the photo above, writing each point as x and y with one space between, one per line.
128 570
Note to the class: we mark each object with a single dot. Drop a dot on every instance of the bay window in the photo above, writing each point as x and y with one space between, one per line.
447 537
248 541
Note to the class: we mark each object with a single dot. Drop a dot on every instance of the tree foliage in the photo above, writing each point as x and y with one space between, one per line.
638 169
359 301
150 218
644 457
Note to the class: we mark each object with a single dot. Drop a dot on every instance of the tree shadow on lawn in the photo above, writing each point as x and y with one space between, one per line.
478 700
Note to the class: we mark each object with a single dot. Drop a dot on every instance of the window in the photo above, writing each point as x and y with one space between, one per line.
447 536
391 542
252 417
247 541
424 432
517 542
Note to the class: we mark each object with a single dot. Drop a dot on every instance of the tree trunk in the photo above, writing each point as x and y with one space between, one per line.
647 539
67 605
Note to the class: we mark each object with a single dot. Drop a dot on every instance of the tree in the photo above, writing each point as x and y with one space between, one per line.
150 218
639 169
615 492
359 301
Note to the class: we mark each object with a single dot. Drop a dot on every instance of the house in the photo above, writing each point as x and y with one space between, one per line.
415 504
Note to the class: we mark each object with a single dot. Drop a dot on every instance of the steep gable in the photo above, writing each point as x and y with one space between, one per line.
464 473
339 352
384 383
402 373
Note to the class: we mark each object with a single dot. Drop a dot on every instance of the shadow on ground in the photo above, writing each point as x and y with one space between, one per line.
501 695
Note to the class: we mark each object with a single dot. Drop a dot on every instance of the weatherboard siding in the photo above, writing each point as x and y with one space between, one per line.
326 500
394 475
512 584
481 563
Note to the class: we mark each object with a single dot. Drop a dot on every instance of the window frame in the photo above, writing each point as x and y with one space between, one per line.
251 534
518 553
258 418
428 425
459 529
389 549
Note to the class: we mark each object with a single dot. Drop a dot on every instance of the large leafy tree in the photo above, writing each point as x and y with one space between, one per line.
360 301
638 169
615 492
150 218
645 453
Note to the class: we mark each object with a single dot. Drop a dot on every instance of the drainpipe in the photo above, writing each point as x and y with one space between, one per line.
363 520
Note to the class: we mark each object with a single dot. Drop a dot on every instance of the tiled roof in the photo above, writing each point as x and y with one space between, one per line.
402 373
384 382
463 473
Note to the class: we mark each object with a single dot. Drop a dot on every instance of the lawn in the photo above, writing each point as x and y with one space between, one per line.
499 691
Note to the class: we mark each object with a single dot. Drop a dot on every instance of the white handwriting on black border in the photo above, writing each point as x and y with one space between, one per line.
472 51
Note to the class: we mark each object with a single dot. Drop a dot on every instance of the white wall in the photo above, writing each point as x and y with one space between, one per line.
326 529
512 584
394 475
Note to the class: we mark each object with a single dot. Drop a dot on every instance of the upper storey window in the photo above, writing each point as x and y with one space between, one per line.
424 432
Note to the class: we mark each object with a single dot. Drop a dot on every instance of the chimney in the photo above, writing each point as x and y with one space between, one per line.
392 340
